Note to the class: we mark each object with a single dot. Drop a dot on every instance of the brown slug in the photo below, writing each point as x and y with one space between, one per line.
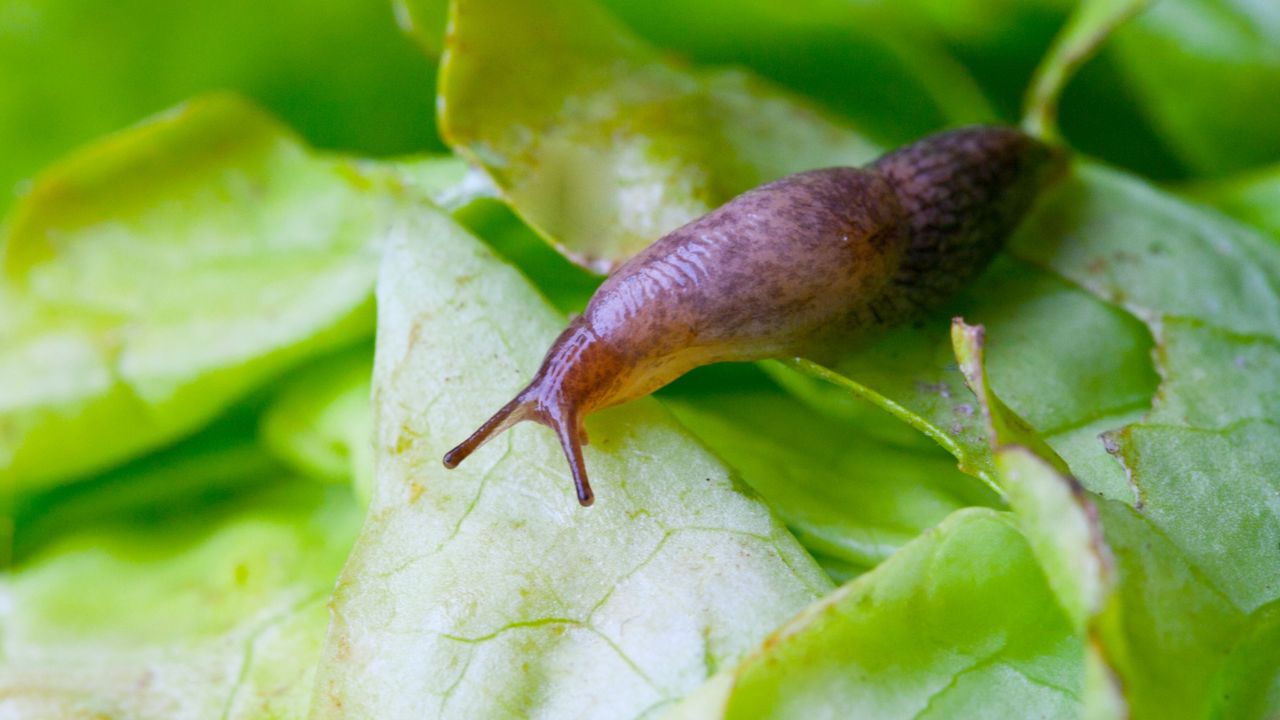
801 266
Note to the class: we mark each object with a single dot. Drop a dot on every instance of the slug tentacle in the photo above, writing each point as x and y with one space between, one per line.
558 415
510 414
568 428
559 395
808 264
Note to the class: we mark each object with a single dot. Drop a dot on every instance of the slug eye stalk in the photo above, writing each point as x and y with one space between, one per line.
526 406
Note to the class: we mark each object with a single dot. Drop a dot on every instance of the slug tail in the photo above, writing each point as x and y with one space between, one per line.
510 414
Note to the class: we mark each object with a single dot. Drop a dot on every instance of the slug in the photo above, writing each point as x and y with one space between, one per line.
801 266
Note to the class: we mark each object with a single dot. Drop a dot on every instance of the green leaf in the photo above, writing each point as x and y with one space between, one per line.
154 277
959 623
340 72
1168 631
602 145
1196 553
1253 198
906 82
321 422
1195 531
851 499
1206 73
1092 22
221 461
1059 519
487 590
1068 364
1205 461
218 612
1155 255
1056 514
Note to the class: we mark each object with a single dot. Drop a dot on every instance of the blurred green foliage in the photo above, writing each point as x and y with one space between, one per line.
338 71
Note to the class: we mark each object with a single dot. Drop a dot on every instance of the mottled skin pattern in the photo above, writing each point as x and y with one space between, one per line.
800 266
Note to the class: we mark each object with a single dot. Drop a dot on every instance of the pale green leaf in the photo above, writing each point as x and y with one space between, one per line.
214 613
486 591
1056 514
154 277
850 498
959 623
907 83
321 422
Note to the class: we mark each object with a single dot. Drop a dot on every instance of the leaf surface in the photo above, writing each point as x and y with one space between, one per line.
1196 533
486 590
601 144
1206 73
155 277
1252 197
850 498
918 637
321 421
217 610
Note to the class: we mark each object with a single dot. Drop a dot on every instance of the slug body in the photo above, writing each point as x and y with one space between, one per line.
801 266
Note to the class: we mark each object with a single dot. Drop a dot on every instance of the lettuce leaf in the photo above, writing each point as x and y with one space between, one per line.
958 623
487 590
154 277
601 144
851 499
907 84
321 422
1252 197
1193 530
204 611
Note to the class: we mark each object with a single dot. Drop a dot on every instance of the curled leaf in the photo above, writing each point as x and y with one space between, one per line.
918 637
601 144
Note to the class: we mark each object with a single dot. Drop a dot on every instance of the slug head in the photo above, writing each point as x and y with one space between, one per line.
576 372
